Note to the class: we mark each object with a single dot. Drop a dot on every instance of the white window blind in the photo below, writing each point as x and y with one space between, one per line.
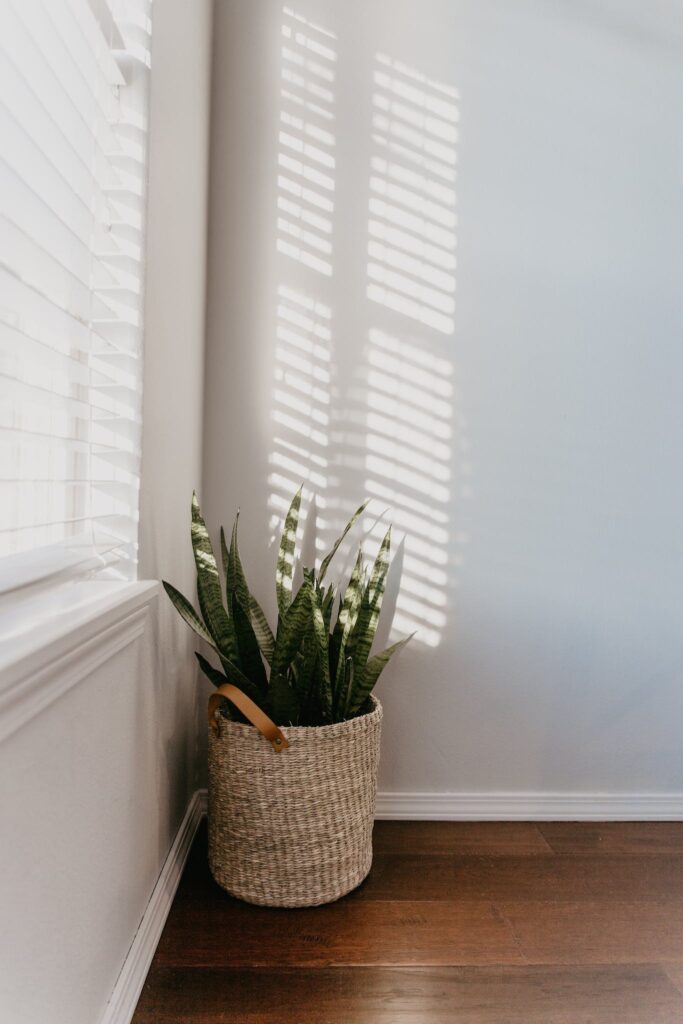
74 77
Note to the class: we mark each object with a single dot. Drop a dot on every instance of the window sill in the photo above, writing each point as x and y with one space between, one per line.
45 655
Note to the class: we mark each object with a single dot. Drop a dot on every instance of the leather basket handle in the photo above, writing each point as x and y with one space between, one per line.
251 711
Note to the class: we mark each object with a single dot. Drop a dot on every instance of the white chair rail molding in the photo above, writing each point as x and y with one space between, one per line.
341 518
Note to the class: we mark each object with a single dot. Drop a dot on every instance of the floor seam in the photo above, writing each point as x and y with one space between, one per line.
545 839
505 920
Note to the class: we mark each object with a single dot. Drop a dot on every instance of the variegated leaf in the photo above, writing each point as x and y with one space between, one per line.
282 701
236 580
344 692
348 617
340 635
380 568
362 639
328 604
238 597
285 558
218 679
225 559
350 593
325 564
364 686
291 631
209 589
306 676
211 673
230 674
250 654
262 630
183 606
323 663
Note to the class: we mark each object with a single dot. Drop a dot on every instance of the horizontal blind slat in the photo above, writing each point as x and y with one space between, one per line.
26 350
61 230
29 308
114 454
93 105
112 522
104 412
73 137
78 126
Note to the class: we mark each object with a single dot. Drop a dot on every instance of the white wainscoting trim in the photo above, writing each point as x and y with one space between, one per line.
124 998
55 663
530 806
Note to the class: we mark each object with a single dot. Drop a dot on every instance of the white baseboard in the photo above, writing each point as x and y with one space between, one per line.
523 806
123 1000
530 806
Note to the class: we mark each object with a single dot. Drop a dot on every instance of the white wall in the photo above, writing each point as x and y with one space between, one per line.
174 347
86 752
94 786
539 412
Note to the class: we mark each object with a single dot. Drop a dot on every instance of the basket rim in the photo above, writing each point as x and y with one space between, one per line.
350 725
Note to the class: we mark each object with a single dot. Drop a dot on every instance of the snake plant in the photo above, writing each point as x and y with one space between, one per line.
317 667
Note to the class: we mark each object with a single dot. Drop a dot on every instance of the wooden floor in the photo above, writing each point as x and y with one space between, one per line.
458 923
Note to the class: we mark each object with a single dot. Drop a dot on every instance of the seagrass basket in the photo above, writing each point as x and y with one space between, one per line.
291 811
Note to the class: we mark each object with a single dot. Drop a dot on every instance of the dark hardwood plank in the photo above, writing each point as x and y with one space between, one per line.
661 838
485 838
399 877
675 974
227 933
483 923
599 932
521 995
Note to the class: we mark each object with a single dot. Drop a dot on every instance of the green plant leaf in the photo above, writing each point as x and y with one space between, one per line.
285 557
361 641
262 630
231 675
209 591
211 673
323 660
363 687
283 703
183 606
327 605
306 677
250 654
236 579
350 593
380 568
347 620
291 631
217 678
237 584
344 691
340 636
225 558
238 600
325 564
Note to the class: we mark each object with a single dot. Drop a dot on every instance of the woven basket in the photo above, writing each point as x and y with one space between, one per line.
293 829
